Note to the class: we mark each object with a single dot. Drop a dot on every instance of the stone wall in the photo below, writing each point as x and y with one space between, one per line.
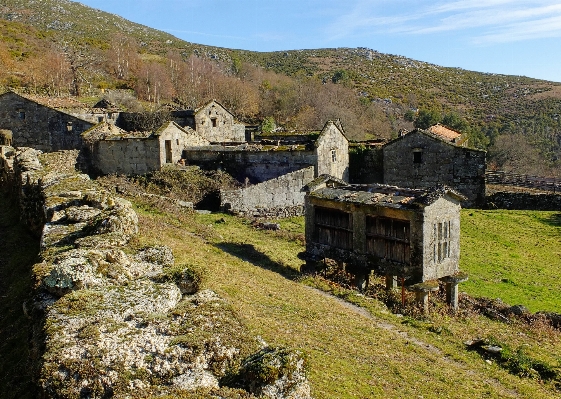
38 126
126 156
524 201
419 160
112 319
280 197
240 162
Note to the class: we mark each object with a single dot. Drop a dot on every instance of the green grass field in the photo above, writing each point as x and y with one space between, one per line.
365 352
514 256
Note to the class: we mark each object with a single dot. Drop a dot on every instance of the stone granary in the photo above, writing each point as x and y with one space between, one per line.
114 150
410 234
40 126
426 158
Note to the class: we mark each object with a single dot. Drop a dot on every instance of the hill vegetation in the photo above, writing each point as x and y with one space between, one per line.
59 47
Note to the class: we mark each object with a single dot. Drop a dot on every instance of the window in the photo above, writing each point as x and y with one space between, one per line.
441 246
21 115
214 122
388 238
333 155
69 127
417 156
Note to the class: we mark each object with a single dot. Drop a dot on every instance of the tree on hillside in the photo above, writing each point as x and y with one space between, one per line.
426 118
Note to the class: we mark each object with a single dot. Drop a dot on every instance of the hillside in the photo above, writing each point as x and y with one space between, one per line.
366 350
59 47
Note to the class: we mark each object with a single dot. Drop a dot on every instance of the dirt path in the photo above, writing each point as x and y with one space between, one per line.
379 323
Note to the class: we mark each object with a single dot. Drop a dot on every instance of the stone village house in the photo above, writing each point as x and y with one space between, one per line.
426 158
411 234
111 149
37 125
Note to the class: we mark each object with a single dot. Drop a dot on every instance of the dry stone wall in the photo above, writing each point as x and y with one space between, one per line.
280 197
256 165
112 319
127 156
523 201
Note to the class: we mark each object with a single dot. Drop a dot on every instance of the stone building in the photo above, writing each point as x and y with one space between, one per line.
423 159
212 121
411 234
258 162
40 126
217 125
275 174
114 150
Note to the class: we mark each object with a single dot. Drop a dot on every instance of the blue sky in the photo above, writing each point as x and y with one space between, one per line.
514 37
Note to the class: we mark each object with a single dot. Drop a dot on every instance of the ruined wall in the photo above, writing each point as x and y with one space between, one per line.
280 197
257 166
332 151
438 163
126 156
43 128
216 124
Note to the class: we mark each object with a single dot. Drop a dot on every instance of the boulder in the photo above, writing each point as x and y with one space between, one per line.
276 373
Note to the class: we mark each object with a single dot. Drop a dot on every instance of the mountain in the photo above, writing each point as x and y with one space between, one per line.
57 47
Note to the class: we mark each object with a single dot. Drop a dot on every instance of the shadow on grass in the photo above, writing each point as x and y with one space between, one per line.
554 220
248 253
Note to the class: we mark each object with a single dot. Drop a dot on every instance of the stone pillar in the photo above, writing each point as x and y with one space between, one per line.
391 282
422 297
422 291
452 288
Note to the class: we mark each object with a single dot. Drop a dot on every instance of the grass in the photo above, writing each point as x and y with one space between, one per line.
353 352
514 256
18 252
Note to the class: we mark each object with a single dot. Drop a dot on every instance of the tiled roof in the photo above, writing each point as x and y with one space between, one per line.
444 132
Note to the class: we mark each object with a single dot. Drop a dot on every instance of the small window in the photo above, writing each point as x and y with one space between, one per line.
333 155
442 240
21 115
214 122
417 157
69 126
177 141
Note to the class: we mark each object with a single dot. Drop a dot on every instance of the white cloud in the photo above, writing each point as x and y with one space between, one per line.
483 21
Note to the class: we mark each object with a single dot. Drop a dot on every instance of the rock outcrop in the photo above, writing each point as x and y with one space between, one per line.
114 320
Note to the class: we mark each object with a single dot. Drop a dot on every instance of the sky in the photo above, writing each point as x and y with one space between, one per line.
512 37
